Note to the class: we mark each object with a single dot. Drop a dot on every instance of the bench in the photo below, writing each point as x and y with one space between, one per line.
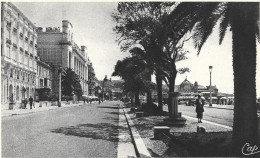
160 129
139 114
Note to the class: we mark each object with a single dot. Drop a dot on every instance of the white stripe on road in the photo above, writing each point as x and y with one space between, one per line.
125 146
209 122
142 150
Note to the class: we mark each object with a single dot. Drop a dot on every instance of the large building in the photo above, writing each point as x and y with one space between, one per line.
57 47
186 87
18 55
44 78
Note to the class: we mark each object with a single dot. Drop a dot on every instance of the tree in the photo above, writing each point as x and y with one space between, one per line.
142 24
91 78
70 83
77 86
243 20
132 70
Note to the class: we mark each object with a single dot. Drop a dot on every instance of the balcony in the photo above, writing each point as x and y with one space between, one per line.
65 42
8 41
21 49
21 35
14 45
14 30
8 25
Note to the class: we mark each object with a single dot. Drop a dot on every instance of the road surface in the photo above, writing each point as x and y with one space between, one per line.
89 130
221 116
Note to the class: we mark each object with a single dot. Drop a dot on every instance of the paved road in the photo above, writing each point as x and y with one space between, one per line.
221 116
81 131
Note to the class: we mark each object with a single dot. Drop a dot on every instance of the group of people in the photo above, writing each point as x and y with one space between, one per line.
30 101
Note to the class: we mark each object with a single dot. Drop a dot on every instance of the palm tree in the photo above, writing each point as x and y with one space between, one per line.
134 72
243 20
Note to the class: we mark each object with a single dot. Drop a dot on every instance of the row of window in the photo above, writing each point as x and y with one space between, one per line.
24 37
8 41
15 30
21 76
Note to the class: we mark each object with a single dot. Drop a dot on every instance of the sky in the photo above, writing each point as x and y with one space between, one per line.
92 26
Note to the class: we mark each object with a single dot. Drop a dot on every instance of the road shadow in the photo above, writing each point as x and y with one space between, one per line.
114 113
108 107
105 131
116 120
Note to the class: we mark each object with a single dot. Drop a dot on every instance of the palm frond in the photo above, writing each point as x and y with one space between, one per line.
224 22
205 26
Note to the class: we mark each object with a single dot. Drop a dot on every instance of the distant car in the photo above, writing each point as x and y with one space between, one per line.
192 102
183 102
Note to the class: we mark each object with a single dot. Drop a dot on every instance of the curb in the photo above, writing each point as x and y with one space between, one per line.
139 145
126 147
258 111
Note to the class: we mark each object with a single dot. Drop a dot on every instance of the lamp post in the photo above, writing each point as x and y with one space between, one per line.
59 101
103 86
210 71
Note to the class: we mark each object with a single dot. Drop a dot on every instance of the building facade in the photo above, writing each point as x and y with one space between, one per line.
187 87
18 56
44 78
57 47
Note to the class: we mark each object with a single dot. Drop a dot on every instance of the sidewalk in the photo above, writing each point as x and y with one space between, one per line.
6 112
158 147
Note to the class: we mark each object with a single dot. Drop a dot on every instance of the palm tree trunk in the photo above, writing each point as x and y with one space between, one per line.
245 126
137 100
159 91
171 91
149 94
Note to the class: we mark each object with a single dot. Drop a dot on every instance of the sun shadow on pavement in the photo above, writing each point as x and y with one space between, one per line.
105 131
114 113
108 107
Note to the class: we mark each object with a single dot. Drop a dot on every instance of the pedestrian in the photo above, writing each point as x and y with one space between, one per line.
25 103
31 101
199 108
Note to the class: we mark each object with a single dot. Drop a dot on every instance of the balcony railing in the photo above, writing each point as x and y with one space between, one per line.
21 49
8 24
65 42
8 41
14 45
21 35
15 30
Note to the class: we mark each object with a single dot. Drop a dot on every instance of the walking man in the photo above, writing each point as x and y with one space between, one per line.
31 101
25 103
199 108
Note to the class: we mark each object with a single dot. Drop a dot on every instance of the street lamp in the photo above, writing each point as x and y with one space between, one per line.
59 72
210 71
103 86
